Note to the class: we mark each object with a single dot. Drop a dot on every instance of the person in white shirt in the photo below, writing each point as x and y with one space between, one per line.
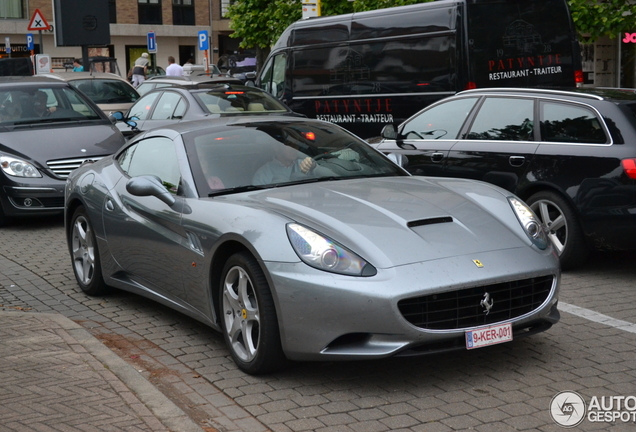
173 68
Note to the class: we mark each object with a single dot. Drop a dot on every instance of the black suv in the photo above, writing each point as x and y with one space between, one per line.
571 155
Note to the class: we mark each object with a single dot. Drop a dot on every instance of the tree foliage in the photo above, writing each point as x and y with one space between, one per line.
596 18
259 23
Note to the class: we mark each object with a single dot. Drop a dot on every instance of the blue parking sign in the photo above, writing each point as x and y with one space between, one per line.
152 42
30 44
204 40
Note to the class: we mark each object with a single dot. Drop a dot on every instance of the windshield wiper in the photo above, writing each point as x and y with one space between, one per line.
238 189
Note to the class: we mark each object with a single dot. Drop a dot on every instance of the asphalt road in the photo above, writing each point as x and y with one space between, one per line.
507 387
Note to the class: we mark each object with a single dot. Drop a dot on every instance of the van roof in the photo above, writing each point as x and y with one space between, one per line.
340 28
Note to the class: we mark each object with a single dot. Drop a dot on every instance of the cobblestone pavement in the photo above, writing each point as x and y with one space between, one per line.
506 387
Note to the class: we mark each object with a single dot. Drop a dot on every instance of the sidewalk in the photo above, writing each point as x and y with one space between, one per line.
54 375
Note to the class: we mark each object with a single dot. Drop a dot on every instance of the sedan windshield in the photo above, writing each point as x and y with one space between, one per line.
265 154
31 105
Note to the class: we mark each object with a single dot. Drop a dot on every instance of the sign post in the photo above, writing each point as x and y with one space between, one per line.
204 45
39 23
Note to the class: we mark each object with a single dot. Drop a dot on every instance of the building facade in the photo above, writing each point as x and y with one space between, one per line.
176 24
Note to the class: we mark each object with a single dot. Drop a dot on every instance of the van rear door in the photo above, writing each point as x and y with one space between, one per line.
522 43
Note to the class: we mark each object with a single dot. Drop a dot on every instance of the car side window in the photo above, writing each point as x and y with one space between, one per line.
504 119
166 106
443 121
153 156
273 80
141 109
562 122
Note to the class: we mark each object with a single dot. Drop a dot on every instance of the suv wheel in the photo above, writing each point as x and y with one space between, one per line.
563 227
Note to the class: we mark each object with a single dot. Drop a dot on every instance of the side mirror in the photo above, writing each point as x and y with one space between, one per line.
398 159
116 115
388 132
150 185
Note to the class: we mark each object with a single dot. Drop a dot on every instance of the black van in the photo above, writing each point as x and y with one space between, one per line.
367 69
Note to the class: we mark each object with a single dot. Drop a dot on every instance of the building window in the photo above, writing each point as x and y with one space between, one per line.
11 9
183 12
224 5
112 11
150 12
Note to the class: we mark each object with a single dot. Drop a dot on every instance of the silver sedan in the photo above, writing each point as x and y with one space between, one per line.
298 241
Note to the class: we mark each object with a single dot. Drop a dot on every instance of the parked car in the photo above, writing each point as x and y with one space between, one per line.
47 129
155 71
191 81
109 91
570 155
168 105
341 255
199 69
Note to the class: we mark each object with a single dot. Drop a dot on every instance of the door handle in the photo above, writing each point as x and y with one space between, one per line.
437 157
109 205
516 161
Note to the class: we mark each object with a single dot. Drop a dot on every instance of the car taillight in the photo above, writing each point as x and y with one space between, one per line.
578 77
470 85
629 166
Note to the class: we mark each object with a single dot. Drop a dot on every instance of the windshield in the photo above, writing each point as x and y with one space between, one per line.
106 91
33 105
274 153
226 99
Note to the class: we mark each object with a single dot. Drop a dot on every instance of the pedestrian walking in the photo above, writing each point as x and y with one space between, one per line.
140 70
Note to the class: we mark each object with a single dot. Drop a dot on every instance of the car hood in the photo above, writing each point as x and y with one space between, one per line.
61 141
402 220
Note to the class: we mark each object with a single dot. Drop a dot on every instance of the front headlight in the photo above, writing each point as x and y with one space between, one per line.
530 223
18 167
323 253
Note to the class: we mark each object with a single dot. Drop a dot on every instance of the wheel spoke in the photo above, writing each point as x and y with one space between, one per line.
556 242
558 223
544 213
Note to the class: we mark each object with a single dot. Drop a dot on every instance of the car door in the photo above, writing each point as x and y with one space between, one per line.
499 143
426 138
144 234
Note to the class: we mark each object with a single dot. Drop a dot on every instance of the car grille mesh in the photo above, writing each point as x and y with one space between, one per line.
63 167
462 308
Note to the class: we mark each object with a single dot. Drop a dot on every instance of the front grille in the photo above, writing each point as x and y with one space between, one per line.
462 308
63 167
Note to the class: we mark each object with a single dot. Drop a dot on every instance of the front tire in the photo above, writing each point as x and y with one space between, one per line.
85 255
248 320
564 229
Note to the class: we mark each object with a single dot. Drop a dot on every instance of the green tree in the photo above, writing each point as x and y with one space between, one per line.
596 18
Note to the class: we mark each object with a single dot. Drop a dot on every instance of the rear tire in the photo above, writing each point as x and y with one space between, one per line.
564 229
85 255
248 316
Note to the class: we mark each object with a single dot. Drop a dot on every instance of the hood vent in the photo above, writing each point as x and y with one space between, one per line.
430 221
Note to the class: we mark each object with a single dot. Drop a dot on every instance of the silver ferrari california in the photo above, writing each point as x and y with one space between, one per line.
298 241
